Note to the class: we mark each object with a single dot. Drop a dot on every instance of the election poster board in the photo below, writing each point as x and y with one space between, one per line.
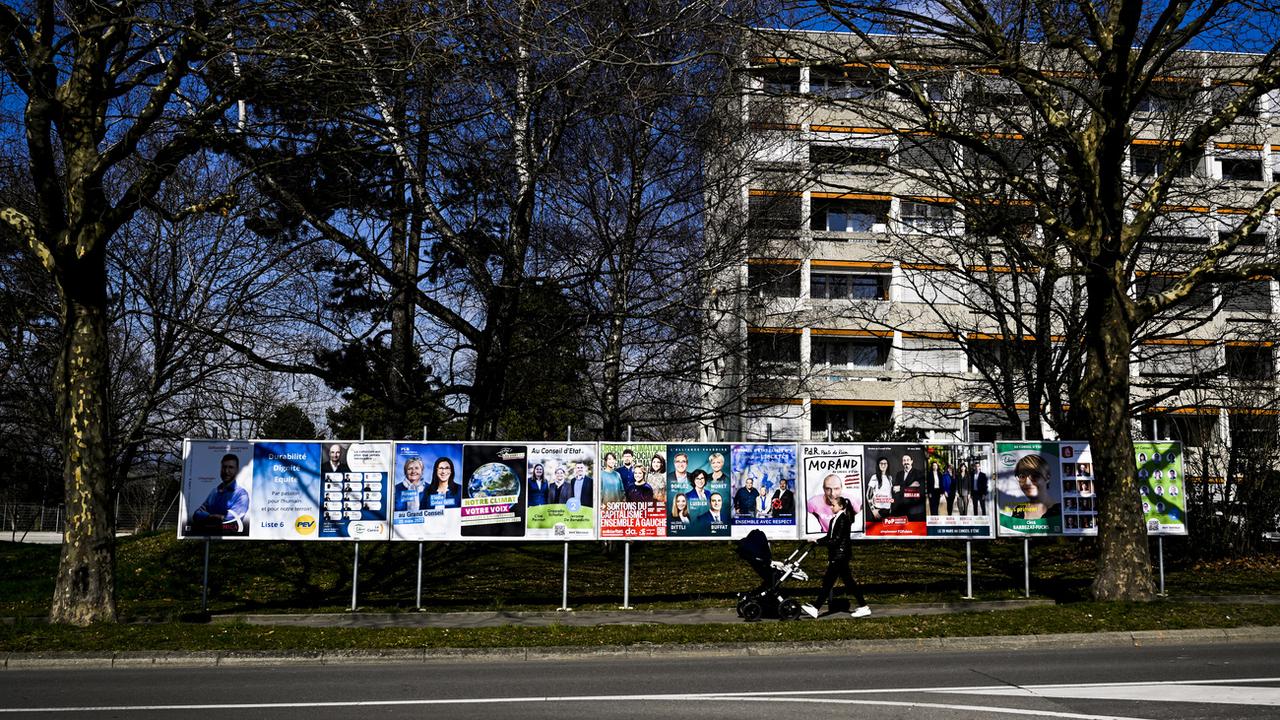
1029 488
290 499
493 491
907 512
554 473
952 475
355 476
426 494
705 488
1079 498
1162 487
831 471
217 489
634 490
763 481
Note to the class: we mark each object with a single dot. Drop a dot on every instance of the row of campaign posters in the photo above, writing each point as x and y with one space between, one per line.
345 490
1047 488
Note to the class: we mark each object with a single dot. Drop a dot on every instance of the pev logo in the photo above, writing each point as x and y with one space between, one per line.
305 524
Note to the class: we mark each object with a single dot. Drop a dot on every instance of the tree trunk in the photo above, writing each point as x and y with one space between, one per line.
1124 562
85 589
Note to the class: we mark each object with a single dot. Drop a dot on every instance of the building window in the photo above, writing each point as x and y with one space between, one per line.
1253 296
848 286
1150 161
849 353
1241 169
851 423
774 212
924 153
850 157
1190 430
1198 302
850 215
842 82
1167 98
927 217
773 280
778 80
1254 431
1250 362
773 353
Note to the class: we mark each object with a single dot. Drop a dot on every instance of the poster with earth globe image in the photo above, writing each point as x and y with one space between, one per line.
493 497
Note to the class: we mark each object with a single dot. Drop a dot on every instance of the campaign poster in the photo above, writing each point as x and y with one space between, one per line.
1079 501
493 490
427 495
355 491
1162 486
1028 488
830 472
902 510
288 492
217 489
763 483
708 512
949 480
553 511
634 481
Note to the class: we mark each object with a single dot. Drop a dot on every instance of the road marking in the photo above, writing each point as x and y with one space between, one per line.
1203 691
1187 693
601 698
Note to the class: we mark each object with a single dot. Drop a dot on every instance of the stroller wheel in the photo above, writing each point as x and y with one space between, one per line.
750 610
789 609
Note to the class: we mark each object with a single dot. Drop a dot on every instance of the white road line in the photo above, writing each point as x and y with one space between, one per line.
1212 694
1146 690
602 698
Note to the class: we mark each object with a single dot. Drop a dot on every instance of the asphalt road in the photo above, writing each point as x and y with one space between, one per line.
1161 683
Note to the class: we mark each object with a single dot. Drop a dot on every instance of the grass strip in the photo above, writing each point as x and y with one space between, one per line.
1073 618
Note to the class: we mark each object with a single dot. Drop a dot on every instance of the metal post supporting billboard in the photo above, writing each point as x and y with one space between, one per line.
355 575
355 560
417 601
564 582
1026 542
968 570
626 561
1160 546
204 588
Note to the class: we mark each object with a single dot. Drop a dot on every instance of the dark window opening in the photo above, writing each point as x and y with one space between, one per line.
849 215
848 286
774 280
1250 362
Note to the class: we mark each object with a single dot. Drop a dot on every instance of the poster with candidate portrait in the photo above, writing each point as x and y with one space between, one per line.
217 489
709 512
762 483
634 491
949 487
288 493
493 491
1079 500
896 495
1162 487
554 511
355 491
830 471
426 493
1028 488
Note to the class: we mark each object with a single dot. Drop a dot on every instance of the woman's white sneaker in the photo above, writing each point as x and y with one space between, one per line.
861 611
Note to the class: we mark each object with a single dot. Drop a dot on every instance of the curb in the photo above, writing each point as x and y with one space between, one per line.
144 659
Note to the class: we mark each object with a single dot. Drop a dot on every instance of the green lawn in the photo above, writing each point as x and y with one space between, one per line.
159 577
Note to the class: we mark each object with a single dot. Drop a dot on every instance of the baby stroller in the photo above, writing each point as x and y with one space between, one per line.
769 598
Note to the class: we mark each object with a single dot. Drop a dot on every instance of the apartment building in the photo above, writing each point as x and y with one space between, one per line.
873 296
